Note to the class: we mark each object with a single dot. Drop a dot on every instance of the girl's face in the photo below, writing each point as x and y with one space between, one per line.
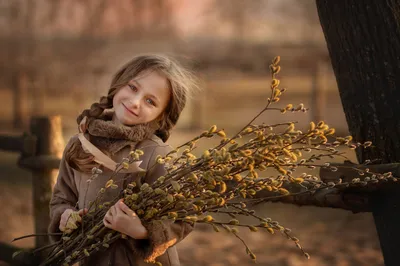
142 100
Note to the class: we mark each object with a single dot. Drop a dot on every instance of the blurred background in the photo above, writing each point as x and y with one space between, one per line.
58 57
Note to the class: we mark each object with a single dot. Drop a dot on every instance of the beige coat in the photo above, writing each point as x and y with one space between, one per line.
72 190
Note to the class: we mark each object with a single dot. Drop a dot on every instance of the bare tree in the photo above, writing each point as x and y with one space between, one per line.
363 38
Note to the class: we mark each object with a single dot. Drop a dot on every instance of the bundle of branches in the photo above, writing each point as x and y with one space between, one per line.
222 180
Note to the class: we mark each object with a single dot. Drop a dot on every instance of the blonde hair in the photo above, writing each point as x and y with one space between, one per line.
182 83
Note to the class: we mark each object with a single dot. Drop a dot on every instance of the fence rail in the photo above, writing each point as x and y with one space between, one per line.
25 144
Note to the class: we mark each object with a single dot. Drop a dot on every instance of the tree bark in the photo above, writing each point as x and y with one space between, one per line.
363 39
351 199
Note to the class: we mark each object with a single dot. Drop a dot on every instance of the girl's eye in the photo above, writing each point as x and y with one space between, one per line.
150 101
132 87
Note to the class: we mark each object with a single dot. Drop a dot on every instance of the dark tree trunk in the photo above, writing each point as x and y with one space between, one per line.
363 39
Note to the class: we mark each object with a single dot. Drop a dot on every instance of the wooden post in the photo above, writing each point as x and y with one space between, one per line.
50 143
40 153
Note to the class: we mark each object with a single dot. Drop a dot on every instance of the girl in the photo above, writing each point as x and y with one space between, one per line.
147 96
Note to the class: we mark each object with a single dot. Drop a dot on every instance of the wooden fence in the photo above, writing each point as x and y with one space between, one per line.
40 152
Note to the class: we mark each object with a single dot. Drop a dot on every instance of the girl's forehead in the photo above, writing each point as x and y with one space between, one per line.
151 76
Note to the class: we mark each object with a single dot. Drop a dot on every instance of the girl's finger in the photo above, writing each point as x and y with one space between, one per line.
82 211
63 223
63 220
113 210
108 216
61 227
118 209
122 206
107 223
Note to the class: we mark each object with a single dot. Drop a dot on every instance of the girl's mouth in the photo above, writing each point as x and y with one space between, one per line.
130 111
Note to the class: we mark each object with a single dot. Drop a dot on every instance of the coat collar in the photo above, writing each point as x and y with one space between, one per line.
110 137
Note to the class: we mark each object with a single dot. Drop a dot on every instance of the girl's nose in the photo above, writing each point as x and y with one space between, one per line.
134 102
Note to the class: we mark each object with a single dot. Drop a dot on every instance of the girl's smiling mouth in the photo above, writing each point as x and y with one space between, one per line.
130 111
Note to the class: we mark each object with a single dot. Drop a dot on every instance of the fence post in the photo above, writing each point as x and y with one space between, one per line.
50 144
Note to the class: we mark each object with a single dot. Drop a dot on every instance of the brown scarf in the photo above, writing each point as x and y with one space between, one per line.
111 138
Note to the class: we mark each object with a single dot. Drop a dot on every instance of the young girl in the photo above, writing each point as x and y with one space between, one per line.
146 97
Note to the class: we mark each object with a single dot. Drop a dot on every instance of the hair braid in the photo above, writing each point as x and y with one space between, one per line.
96 109
76 156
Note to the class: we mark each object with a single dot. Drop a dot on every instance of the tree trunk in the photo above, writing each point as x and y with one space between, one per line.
363 39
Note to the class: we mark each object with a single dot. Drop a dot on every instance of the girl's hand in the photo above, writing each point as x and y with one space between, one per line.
69 220
122 219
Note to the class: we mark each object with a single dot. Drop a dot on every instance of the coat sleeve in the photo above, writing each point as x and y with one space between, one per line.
64 196
161 234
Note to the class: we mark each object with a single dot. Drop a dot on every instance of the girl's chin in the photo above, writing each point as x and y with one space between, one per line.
128 120
128 123
125 121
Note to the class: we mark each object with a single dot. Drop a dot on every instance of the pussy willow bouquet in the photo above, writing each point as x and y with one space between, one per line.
224 180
